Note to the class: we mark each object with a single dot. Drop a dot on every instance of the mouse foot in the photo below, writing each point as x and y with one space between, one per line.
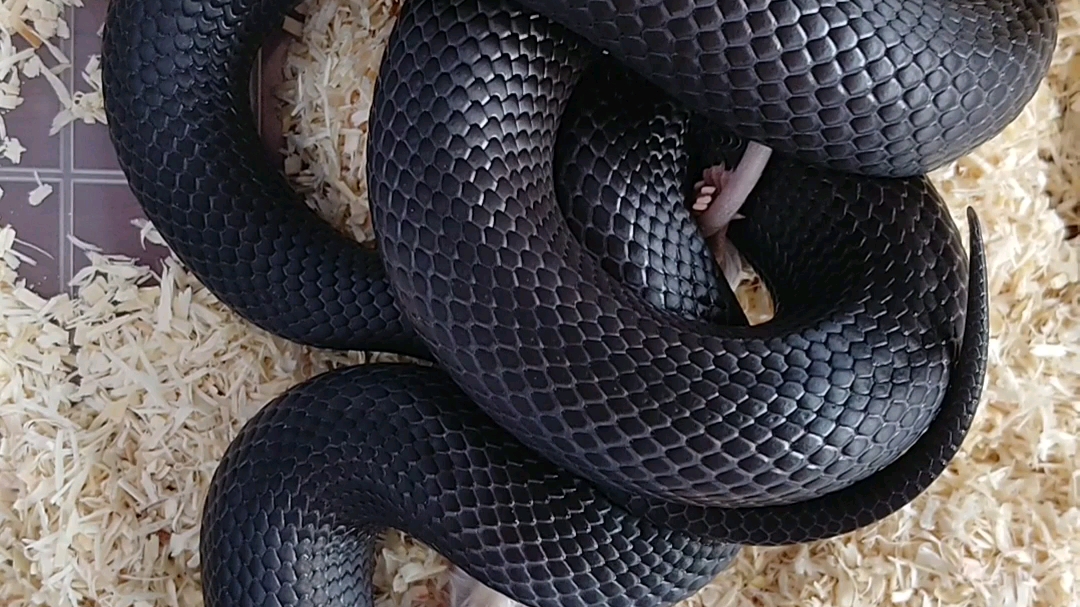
706 194
718 196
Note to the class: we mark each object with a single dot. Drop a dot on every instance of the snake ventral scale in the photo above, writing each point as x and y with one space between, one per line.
601 424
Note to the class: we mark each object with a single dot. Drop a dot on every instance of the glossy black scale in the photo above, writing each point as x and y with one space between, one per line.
601 426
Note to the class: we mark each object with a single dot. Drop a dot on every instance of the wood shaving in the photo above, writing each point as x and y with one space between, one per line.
87 107
12 149
40 192
116 403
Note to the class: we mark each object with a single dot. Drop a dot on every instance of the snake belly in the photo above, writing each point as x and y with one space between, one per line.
570 316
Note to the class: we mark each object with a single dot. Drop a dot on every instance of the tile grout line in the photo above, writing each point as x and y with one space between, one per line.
98 180
22 174
85 175
67 164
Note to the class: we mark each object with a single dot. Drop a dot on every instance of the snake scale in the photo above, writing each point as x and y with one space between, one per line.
600 424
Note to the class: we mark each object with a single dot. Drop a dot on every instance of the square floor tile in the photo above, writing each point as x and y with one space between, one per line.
101 215
30 124
38 229
92 149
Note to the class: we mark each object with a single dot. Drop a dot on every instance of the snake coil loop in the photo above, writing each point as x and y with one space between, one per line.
603 425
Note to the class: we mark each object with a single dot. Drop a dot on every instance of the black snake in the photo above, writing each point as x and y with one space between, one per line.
602 424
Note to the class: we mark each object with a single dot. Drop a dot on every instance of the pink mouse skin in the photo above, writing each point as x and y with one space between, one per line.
718 196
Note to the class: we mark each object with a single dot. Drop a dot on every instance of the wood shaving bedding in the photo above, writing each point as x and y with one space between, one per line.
116 404
29 33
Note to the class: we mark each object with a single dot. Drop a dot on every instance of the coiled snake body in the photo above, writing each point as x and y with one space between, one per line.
602 425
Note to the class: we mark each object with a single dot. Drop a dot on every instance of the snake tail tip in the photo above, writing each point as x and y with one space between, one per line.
973 222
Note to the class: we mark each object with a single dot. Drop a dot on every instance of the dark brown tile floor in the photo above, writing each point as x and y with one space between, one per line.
90 199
